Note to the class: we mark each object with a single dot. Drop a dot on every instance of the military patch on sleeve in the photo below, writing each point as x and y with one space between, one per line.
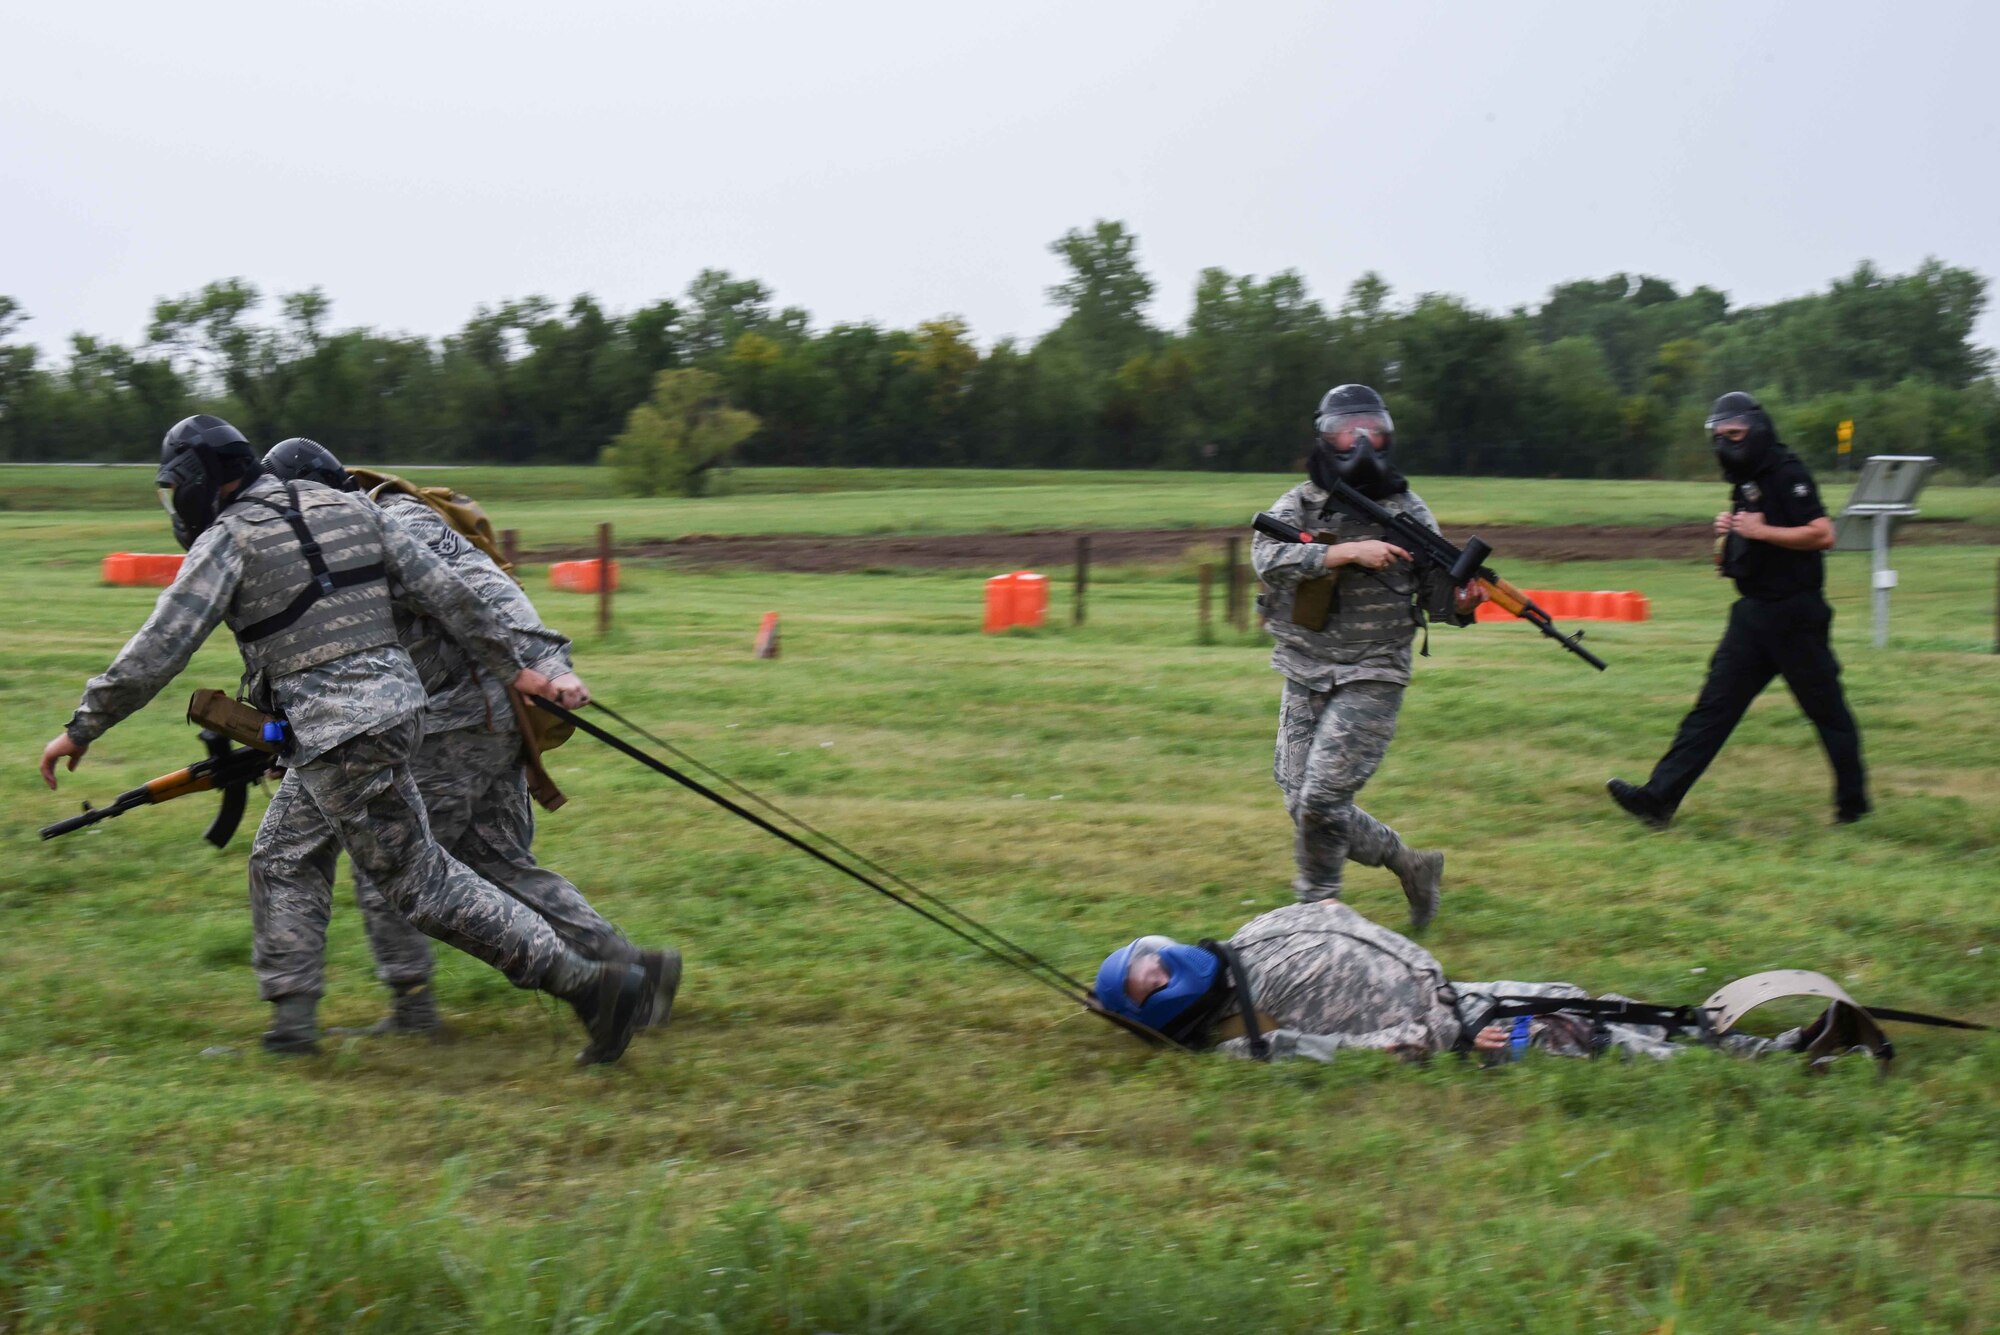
446 542
1800 489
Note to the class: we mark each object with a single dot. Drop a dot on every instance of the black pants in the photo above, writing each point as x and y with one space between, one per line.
1786 638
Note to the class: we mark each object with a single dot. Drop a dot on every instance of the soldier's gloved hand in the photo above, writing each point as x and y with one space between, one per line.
63 745
570 691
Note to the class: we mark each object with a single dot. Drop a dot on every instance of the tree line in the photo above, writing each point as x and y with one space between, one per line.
1603 378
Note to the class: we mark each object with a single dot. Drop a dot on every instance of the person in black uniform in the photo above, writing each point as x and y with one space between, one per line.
1772 543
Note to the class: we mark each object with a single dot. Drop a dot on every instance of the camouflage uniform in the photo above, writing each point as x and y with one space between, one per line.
1331 979
354 721
468 770
1343 685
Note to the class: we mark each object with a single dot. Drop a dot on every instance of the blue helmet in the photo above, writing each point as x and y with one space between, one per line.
1191 972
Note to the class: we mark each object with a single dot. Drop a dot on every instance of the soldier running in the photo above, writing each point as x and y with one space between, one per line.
468 768
1344 616
301 575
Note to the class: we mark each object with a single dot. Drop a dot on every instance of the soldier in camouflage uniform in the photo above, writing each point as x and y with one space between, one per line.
1324 978
468 769
300 574
1344 615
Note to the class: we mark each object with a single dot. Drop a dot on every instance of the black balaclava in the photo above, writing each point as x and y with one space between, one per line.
198 458
302 460
1744 459
1366 466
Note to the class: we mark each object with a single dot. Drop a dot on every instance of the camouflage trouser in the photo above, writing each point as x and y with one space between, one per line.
476 795
361 794
1329 745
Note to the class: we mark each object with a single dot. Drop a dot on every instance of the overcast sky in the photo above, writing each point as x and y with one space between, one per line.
894 162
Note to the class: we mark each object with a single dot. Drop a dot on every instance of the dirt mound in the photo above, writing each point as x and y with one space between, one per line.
1051 548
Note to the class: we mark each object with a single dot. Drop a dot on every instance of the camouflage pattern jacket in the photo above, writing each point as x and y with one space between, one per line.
1317 660
459 694
326 705
1331 979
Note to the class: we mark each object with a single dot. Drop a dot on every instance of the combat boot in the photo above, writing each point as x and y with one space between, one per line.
412 1011
1421 870
294 1030
610 1006
1638 802
659 1007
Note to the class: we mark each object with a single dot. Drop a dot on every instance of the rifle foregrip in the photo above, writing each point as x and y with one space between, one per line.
1273 527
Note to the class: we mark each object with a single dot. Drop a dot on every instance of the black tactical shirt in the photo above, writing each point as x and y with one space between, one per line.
1784 494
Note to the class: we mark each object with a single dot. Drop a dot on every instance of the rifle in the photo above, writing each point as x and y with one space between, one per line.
227 771
1461 565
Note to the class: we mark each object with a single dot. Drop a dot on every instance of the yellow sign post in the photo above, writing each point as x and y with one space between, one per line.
1844 436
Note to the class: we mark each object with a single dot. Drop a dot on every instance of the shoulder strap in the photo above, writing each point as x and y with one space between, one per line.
1246 999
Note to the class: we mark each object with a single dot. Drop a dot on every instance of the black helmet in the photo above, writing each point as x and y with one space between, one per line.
302 460
1741 459
1355 433
199 456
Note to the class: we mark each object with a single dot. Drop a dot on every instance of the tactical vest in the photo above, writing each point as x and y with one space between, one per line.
1362 606
314 587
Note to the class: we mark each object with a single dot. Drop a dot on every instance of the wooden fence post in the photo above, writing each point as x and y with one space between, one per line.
1082 579
1201 602
510 546
604 578
1232 553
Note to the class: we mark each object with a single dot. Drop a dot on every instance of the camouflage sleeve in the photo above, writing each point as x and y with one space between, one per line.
1435 592
1281 565
187 611
432 586
1322 1047
537 646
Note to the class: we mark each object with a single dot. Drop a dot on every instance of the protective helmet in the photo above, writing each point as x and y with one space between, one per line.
1355 433
199 456
1744 458
302 460
1191 971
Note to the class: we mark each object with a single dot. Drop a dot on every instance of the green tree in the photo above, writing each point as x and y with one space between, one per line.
672 440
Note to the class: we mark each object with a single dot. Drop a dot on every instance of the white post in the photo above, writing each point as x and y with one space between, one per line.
1883 581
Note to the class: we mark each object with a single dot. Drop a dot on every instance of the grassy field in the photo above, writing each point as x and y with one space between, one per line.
857 1125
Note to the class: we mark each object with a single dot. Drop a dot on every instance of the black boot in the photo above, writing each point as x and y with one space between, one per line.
660 1002
611 1006
412 1011
1636 801
294 1030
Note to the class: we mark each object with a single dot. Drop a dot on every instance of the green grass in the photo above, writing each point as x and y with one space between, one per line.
855 1124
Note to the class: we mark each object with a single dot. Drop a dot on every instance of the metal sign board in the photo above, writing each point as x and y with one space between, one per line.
1888 485
1885 492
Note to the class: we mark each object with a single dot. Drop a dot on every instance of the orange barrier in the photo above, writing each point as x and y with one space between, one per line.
1578 605
767 637
1018 598
581 576
141 568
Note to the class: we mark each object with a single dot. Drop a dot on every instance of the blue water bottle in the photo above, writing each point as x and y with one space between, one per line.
1517 1041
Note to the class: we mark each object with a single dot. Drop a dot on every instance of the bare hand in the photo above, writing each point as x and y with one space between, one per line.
1372 553
1725 523
570 691
1469 596
63 745
1750 524
1493 1038
530 682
